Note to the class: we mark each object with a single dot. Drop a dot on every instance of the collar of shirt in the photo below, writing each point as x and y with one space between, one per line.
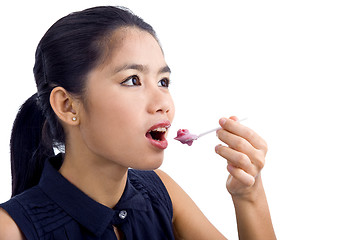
89 213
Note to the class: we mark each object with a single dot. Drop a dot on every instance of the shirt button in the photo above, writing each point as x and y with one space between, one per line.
123 214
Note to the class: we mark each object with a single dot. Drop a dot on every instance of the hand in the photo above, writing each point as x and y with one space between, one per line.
245 154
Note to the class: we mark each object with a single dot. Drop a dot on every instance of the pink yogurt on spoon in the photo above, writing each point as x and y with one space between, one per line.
185 137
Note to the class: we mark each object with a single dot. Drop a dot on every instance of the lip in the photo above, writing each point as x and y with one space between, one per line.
162 143
165 124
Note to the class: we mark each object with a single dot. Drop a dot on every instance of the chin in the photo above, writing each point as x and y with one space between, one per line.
148 164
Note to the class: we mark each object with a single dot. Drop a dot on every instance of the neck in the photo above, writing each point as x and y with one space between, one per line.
103 181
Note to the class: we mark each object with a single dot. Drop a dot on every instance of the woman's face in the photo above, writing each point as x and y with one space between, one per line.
128 107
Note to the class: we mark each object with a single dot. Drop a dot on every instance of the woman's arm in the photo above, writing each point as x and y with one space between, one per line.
253 216
8 228
245 153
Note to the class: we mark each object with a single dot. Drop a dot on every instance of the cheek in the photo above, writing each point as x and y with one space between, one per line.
114 109
107 126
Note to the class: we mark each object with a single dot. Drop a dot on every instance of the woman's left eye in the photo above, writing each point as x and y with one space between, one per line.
132 81
164 82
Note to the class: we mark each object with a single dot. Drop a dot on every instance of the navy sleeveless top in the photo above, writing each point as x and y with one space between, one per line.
56 209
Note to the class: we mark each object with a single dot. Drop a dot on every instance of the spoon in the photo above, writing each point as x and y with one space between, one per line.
185 137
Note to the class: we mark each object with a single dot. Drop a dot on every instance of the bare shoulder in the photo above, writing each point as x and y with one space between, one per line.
188 220
174 190
179 198
166 179
8 228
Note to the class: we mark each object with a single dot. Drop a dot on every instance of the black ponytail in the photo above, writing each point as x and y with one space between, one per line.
68 51
28 151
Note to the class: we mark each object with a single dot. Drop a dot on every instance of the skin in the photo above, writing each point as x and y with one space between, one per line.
245 152
8 228
99 140
108 137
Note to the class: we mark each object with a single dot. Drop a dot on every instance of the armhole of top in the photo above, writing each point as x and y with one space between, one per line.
16 211
10 225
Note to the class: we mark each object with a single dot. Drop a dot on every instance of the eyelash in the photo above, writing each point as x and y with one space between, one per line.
167 80
138 83
130 78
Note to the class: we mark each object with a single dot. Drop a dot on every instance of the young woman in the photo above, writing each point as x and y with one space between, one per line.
103 100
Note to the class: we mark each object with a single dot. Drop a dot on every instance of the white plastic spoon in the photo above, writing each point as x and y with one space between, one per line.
185 137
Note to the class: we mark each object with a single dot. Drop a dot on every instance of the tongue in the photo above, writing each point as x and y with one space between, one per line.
148 135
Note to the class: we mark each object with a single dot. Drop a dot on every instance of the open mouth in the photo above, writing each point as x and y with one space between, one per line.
157 134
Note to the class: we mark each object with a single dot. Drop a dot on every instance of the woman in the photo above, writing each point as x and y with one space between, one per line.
103 101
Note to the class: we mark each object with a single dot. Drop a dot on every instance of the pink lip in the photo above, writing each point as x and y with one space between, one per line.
162 143
165 124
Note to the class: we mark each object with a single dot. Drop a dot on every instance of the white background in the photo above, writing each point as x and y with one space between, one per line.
291 67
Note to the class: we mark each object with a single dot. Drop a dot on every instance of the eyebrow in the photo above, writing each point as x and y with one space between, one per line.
141 68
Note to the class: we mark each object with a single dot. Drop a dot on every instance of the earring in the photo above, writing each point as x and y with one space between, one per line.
74 118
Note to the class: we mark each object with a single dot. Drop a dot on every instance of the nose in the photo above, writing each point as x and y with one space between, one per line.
160 101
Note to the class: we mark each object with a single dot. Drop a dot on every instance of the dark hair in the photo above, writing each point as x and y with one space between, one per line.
71 47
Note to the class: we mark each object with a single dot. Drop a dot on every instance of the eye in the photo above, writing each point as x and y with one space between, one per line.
132 81
164 83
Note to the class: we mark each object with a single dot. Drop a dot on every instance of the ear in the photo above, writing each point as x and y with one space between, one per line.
64 106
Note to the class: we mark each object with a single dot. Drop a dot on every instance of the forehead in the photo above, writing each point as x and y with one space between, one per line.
134 46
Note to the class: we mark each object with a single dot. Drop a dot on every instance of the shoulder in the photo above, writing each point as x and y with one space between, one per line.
8 228
188 220
177 194
148 180
167 180
24 212
174 190
149 183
